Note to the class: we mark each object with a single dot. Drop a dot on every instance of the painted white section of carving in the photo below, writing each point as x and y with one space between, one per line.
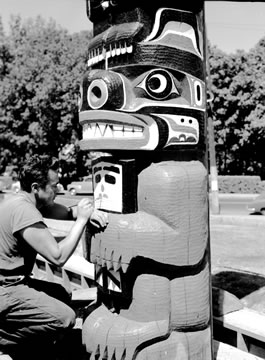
108 186
101 130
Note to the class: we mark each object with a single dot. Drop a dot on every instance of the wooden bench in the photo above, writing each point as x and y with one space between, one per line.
244 329
77 275
223 351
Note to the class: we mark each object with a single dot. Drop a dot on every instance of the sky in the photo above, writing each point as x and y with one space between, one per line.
230 25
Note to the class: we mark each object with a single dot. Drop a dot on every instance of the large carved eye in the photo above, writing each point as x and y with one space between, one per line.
159 84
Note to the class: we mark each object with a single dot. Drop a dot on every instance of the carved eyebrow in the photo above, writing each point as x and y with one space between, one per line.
112 168
97 168
107 168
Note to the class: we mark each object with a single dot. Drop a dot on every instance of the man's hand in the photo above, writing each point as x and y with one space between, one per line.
85 209
99 219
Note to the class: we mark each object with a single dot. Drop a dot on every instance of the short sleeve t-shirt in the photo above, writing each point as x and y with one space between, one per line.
16 213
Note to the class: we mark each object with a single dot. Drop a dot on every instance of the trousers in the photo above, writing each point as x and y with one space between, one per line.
33 311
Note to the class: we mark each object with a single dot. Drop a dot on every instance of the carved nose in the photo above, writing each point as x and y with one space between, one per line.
105 91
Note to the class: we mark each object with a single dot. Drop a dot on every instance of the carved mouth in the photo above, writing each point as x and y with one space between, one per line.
114 128
100 54
99 130
115 41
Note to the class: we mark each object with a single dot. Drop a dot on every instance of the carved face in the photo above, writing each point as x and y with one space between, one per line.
148 94
108 186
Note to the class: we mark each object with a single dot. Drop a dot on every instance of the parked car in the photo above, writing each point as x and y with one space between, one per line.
15 187
2 186
9 183
81 187
5 182
60 189
257 205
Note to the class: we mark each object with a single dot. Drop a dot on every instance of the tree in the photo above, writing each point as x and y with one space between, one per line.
223 69
253 142
39 92
5 61
239 109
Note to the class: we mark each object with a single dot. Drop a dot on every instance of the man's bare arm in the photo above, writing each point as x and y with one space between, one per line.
40 238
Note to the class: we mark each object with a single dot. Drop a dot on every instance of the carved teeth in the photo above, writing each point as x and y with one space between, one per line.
100 280
127 128
124 267
103 262
108 132
109 264
112 286
117 265
117 127
116 49
113 53
111 352
129 49
124 50
102 130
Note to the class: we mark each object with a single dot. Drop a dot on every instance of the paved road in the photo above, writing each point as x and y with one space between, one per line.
238 255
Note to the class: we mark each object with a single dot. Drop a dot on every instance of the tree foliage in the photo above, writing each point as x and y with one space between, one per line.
42 66
238 84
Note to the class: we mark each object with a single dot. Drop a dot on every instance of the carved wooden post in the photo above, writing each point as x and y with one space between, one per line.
143 102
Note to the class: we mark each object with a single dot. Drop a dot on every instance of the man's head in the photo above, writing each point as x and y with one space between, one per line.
39 175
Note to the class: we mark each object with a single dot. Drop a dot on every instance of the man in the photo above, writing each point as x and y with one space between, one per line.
32 311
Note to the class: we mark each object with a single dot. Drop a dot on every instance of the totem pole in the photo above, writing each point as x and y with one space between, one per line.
143 103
